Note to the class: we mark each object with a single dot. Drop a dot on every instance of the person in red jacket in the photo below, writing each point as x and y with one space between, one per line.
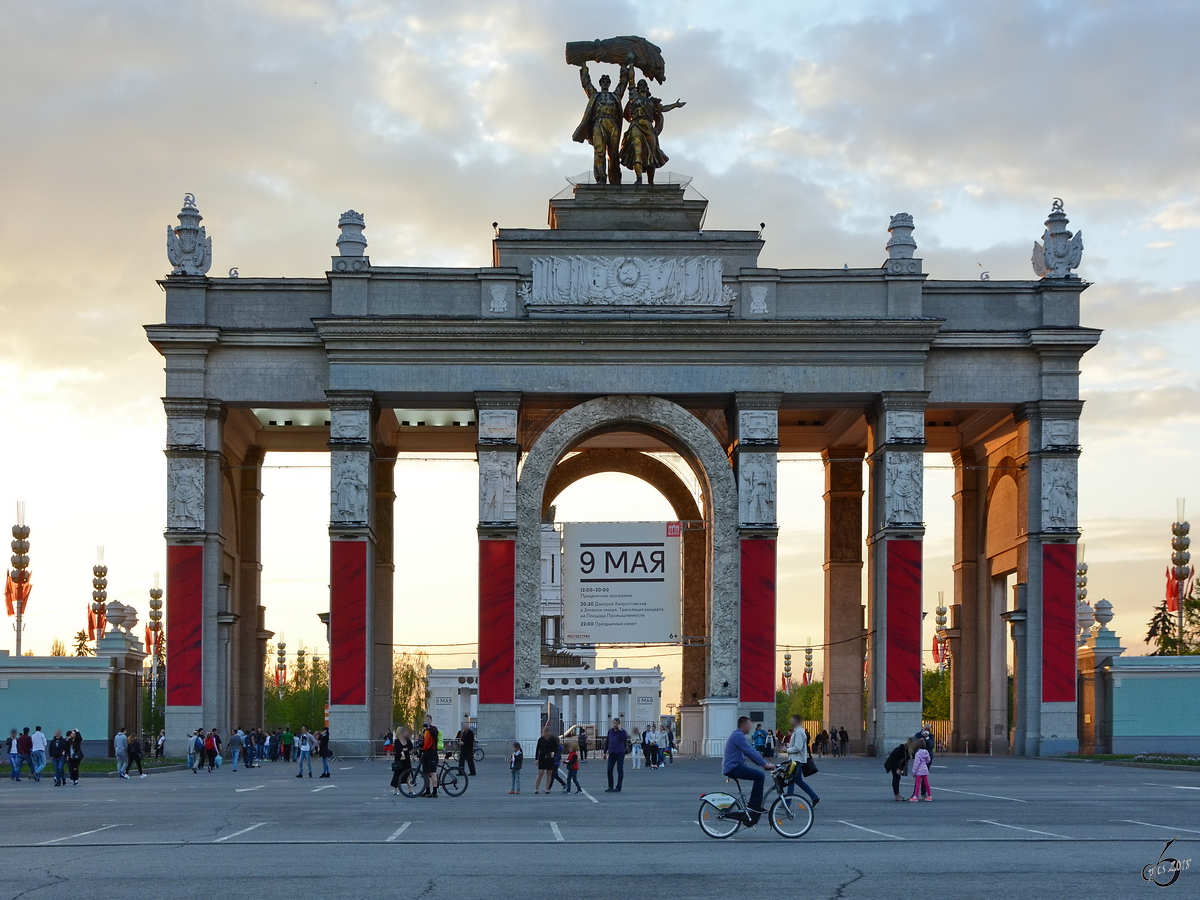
429 758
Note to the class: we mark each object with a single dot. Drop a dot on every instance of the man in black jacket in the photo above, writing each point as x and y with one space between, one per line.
466 748
57 749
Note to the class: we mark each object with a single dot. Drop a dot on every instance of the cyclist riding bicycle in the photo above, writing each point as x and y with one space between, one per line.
737 750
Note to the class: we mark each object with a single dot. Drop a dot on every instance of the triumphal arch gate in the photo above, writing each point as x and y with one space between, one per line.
623 331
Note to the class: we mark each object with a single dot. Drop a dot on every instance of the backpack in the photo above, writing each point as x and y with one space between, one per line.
439 740
210 743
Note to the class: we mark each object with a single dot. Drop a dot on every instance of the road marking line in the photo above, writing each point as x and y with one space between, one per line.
345 768
589 796
1178 787
973 794
81 834
257 787
557 834
1152 825
323 787
1018 828
399 831
973 766
835 775
221 840
872 830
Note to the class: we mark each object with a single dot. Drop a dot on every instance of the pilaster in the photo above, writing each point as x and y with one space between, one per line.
352 637
896 448
756 456
509 640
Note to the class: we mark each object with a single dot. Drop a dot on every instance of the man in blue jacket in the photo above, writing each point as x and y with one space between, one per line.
737 750
615 744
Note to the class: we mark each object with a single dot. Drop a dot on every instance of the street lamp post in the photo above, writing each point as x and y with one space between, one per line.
1180 559
20 572
99 594
156 604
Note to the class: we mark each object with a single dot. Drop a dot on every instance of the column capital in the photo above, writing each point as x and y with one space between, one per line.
898 418
757 419
351 415
1053 424
497 414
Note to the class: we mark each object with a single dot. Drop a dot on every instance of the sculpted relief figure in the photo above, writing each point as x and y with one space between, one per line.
758 485
903 492
495 487
186 487
1058 494
601 125
349 494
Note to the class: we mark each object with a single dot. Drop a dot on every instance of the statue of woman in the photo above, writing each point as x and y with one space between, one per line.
639 147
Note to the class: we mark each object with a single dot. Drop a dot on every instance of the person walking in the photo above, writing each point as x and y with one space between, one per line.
670 745
583 743
286 740
196 750
135 756
920 770
38 753
573 772
515 761
897 765
466 749
212 748
58 757
236 743
160 744
429 759
544 752
614 750
121 749
74 754
14 756
324 752
797 752
402 751
555 773
304 749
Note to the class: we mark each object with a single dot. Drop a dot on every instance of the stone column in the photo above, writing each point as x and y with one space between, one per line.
250 636
756 455
845 643
385 576
352 565
970 619
1048 438
896 458
500 682
195 550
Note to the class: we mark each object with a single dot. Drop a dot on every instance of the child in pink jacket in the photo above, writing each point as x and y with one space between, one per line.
920 770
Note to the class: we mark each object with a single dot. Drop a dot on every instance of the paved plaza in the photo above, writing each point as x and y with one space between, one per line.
999 827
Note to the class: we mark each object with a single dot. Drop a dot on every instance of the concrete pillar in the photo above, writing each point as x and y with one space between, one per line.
1048 441
756 454
249 638
845 642
896 437
195 554
385 577
498 453
968 643
352 537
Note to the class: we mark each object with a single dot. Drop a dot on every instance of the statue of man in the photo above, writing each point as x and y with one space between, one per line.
601 125
639 148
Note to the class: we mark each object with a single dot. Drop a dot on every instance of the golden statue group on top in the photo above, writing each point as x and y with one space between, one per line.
601 124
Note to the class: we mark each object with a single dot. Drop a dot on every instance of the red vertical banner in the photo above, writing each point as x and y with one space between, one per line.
497 609
185 624
903 621
348 623
756 653
1058 623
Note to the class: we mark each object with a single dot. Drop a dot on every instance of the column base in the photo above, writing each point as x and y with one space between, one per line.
720 718
894 723
528 719
180 722
495 727
1060 729
349 727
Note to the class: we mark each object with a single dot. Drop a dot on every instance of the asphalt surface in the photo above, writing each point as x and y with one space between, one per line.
998 827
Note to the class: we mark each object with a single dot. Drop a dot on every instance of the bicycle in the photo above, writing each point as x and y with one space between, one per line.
722 814
449 779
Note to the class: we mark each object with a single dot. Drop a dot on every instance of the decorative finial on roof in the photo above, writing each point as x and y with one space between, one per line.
189 248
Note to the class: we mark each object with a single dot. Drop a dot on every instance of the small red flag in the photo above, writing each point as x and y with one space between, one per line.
1172 591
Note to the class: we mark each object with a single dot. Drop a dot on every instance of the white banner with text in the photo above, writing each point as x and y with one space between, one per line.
621 582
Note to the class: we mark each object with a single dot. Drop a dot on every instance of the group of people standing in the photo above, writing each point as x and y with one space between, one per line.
419 755
917 753
833 742
64 752
656 746
206 748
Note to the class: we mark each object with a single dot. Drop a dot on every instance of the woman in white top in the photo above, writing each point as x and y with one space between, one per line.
797 752
637 753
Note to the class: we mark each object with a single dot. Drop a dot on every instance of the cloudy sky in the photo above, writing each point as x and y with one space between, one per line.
436 119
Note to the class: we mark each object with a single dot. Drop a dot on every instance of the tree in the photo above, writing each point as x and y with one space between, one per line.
1164 627
806 701
409 688
81 644
935 694
58 648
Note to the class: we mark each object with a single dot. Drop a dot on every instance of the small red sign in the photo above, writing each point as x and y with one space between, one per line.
674 529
